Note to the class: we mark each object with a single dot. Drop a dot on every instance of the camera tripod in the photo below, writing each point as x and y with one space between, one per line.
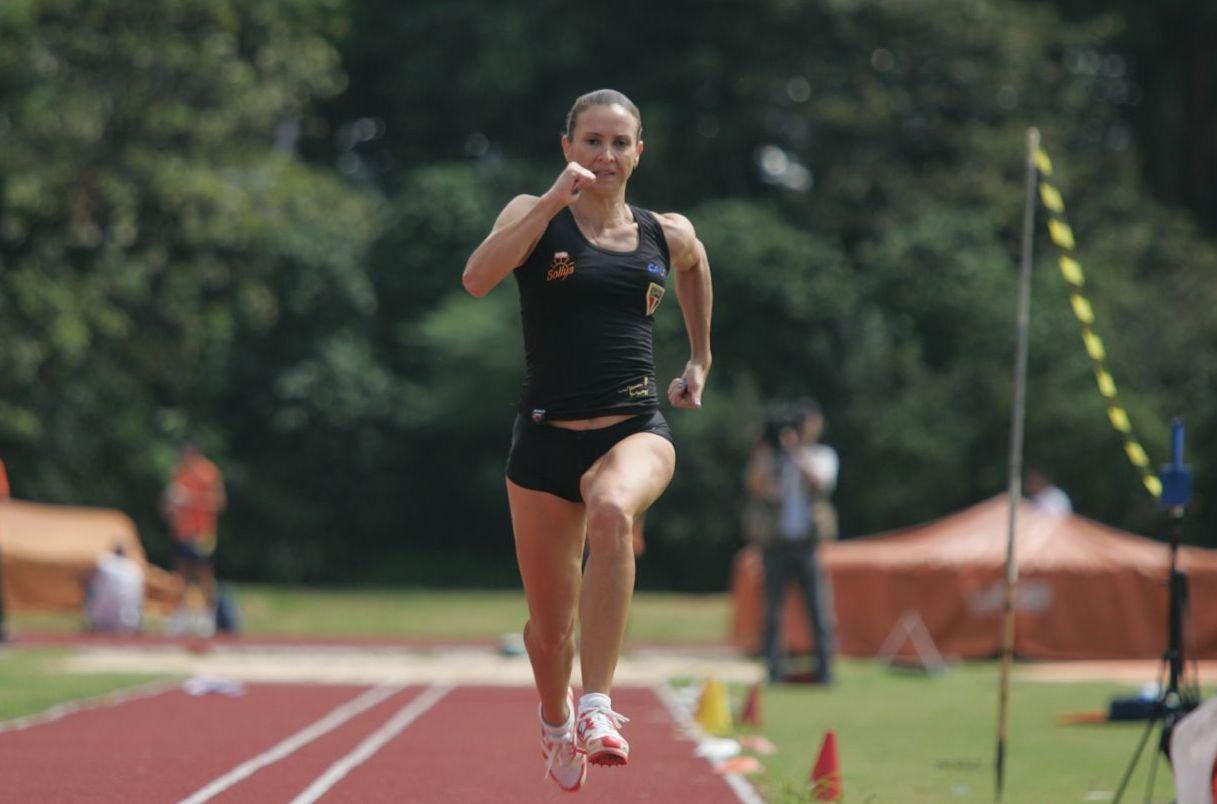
1181 693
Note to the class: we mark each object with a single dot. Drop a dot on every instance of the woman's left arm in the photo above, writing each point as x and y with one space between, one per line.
695 294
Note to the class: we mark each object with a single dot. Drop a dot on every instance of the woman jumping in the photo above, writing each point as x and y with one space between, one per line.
590 451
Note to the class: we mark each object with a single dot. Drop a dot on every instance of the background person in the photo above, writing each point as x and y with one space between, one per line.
192 503
590 450
790 478
114 599
1044 495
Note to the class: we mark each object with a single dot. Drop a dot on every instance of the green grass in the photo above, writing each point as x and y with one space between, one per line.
654 618
910 738
30 681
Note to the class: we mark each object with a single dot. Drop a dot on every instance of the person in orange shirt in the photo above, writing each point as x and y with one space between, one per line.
5 492
192 503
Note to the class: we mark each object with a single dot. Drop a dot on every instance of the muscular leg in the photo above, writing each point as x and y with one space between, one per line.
617 489
640 544
549 546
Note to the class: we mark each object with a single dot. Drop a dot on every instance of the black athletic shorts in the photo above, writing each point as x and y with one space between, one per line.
553 459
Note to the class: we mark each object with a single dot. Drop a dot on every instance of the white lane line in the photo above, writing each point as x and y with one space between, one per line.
743 789
298 740
374 742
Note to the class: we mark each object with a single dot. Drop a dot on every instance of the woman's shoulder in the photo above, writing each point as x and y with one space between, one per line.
677 231
675 224
515 209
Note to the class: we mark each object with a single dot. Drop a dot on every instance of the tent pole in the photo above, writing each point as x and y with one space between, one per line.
1017 419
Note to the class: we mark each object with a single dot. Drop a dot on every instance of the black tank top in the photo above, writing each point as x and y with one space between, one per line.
587 315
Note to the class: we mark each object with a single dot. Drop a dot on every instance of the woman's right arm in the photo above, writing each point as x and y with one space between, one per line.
517 230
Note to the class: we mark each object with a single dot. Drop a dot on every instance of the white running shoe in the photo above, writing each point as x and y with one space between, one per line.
600 738
564 763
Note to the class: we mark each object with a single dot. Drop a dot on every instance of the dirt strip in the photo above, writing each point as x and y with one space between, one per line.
354 665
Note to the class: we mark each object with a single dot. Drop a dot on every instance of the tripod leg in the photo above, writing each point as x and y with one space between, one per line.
1153 775
1136 757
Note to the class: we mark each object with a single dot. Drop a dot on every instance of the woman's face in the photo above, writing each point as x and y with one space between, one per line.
606 143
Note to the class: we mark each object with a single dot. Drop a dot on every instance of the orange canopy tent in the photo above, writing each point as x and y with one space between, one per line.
1085 590
48 551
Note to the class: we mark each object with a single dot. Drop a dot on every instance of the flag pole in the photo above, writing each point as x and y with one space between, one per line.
1017 418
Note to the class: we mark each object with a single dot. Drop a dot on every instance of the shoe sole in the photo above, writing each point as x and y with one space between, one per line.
609 757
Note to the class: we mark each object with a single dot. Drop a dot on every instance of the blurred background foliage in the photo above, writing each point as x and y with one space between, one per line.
245 223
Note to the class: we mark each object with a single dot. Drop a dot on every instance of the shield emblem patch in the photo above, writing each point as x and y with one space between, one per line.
654 296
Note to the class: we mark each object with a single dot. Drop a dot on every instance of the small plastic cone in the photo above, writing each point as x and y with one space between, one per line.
713 714
750 713
826 775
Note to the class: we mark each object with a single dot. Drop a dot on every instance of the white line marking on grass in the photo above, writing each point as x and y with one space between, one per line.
333 720
742 788
60 711
374 742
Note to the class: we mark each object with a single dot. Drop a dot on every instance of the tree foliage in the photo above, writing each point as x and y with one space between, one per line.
247 221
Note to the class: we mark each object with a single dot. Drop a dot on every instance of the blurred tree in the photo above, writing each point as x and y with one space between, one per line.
1163 74
873 152
157 235
168 263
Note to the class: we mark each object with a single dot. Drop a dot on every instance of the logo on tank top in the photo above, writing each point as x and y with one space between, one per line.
639 389
561 267
654 297
657 269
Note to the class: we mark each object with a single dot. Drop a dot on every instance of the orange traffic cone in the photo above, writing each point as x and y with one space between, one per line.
750 713
826 775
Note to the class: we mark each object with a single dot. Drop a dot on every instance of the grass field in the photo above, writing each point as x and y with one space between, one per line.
655 617
905 737
31 683
661 618
902 737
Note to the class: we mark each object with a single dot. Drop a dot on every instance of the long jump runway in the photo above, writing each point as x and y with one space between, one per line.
303 743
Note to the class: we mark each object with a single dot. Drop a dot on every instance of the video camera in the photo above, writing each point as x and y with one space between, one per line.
781 415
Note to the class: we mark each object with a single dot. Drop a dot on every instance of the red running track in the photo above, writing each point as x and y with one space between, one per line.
431 745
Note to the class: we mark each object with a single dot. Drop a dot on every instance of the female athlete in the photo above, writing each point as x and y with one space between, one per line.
590 451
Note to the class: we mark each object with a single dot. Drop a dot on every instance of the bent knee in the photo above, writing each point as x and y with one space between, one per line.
549 637
609 525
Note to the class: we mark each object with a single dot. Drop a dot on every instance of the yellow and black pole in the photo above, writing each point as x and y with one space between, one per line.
1017 418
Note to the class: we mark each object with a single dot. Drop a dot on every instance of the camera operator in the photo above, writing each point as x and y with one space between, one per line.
790 479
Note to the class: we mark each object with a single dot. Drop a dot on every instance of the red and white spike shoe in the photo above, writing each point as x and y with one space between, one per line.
599 734
564 763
